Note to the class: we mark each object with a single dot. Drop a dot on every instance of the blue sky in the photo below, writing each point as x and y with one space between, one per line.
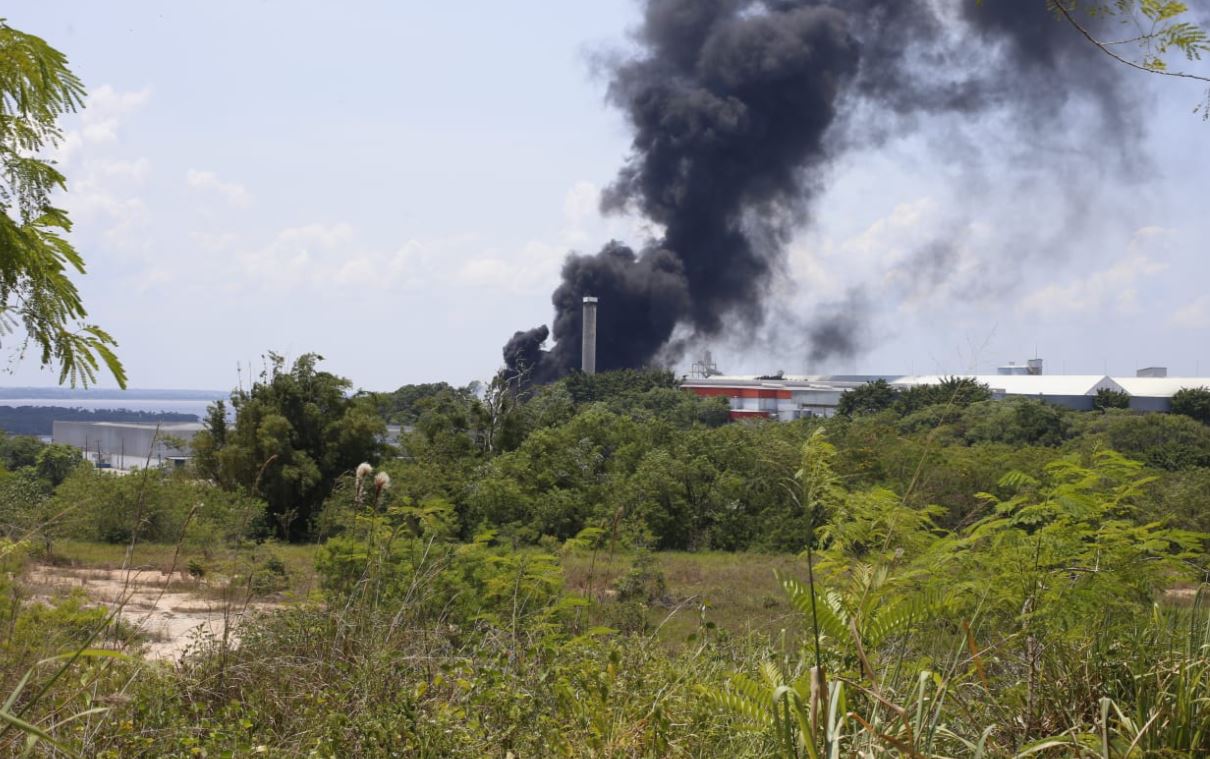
394 186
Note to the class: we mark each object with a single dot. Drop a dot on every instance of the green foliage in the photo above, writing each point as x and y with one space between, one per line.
25 507
295 432
407 404
960 610
150 505
1069 547
1107 398
1180 498
36 292
17 451
56 461
1165 441
398 553
1016 422
951 392
870 398
644 582
1163 28
1057 574
1040 624
605 386
1193 403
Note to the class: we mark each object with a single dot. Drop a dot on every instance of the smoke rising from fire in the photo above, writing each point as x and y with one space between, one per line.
739 106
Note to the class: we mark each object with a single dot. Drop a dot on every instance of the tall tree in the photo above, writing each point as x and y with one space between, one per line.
869 398
36 259
295 432
1193 402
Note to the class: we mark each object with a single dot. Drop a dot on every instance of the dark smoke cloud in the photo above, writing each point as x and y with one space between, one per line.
836 329
736 107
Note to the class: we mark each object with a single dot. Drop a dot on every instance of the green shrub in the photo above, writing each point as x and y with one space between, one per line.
152 505
1193 402
1107 398
644 582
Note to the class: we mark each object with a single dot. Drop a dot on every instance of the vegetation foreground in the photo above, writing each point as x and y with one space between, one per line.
607 567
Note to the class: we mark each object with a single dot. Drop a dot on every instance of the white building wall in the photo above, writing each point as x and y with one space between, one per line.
125 442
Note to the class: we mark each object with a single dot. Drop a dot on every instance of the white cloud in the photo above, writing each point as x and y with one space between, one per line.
1194 315
531 271
1115 287
235 193
103 194
585 227
100 120
329 257
891 238
581 209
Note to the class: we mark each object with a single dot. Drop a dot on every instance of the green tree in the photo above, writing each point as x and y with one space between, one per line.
55 462
36 259
949 392
1107 398
405 405
1165 441
17 451
24 511
589 388
870 398
1193 402
295 432
1016 421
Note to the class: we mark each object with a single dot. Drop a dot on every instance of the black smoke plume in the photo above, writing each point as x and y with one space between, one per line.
734 105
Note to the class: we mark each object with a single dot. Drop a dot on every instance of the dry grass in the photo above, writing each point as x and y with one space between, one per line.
298 559
738 590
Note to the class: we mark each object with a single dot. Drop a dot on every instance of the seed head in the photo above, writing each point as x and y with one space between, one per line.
382 481
364 470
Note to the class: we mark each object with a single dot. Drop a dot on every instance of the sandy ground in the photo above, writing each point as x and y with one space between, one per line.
170 609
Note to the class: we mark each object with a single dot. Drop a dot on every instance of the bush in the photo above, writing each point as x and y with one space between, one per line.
951 391
870 398
644 582
1016 421
1107 398
154 505
1165 441
1193 402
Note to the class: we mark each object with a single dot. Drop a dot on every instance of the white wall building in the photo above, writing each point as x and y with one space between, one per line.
126 445
794 397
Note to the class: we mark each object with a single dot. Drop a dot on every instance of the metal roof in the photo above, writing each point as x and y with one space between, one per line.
800 382
1159 387
1007 384
163 426
1024 384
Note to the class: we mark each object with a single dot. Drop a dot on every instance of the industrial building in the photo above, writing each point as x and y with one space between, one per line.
127 445
793 397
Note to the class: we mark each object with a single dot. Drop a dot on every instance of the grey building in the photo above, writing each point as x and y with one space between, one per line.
126 445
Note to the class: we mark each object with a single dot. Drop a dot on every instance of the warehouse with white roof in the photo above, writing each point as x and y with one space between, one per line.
793 397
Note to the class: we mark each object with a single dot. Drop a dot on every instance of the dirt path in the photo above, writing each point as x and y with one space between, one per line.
165 608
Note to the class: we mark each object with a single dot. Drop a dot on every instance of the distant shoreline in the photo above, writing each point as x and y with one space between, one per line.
36 416
9 394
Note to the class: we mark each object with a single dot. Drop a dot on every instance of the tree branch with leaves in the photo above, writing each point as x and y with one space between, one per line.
37 260
1157 30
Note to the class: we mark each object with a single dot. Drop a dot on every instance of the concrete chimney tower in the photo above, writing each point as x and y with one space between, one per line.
588 344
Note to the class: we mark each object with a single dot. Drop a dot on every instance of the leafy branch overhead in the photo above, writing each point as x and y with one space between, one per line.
37 261
1154 30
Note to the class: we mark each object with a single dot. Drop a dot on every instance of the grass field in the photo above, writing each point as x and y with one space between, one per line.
737 592
299 560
